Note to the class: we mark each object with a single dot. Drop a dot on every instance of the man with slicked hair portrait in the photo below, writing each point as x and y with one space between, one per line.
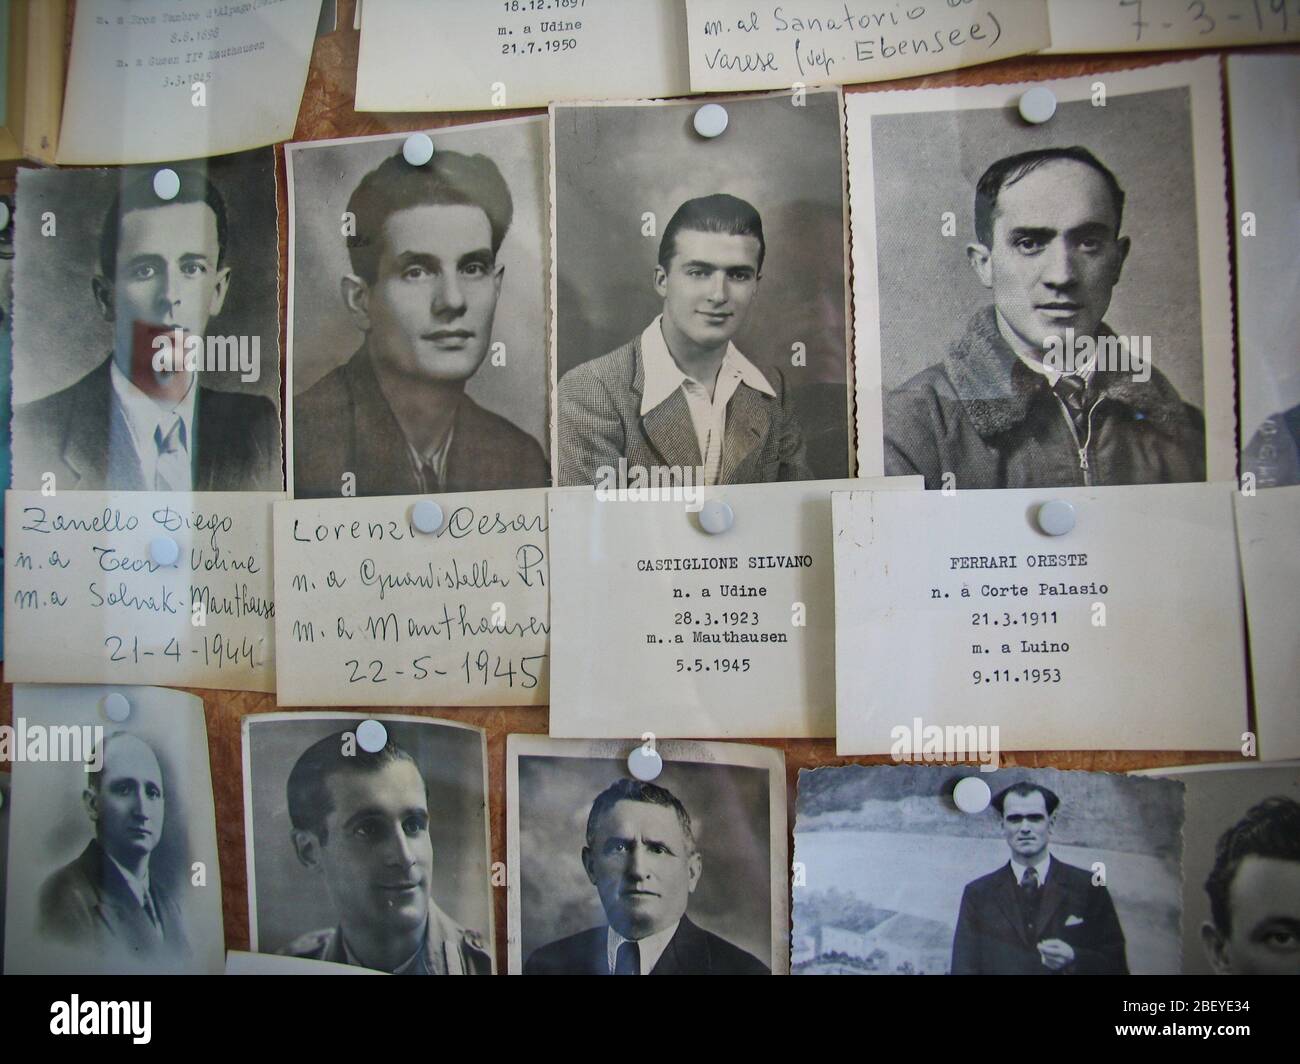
423 292
106 899
995 411
1254 892
1036 915
680 395
133 423
361 823
642 858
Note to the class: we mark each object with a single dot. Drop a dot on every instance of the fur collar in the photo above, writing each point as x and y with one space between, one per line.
997 389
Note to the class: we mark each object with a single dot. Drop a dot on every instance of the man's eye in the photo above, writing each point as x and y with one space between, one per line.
1090 244
143 273
194 269
414 273
1028 245
413 825
695 272
475 269
1281 939
153 792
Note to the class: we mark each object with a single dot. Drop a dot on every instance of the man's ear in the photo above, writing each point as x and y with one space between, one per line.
694 868
103 289
498 275
589 863
981 260
219 291
307 846
661 281
1216 948
90 799
356 297
1123 244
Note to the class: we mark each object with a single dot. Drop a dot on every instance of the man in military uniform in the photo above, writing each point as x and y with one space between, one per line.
361 821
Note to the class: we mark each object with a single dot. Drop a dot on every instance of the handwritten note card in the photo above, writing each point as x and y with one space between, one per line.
1123 634
449 55
151 80
771 46
1152 25
662 627
376 613
1270 567
87 602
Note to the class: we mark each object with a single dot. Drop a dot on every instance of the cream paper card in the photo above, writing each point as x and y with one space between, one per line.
89 604
150 80
1270 567
376 613
1152 25
818 42
1123 634
448 55
68 910
665 628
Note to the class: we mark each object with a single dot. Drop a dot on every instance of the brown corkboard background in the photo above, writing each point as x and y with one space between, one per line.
327 111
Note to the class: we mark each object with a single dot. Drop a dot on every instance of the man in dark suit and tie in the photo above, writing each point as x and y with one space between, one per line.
106 899
680 401
1036 915
128 425
642 859
423 289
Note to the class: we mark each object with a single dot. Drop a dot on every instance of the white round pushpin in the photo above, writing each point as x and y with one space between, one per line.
418 149
4 215
711 120
645 764
116 707
1038 104
426 516
166 184
164 551
1056 518
371 736
716 517
972 795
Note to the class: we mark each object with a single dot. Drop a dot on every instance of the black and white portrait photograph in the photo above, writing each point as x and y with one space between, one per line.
1044 304
683 874
146 336
700 290
4 856
1051 873
417 312
1264 122
1241 868
367 842
112 843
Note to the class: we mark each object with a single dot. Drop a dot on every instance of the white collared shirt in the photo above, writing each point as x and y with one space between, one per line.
651 947
143 415
1053 375
709 416
1042 865
437 458
139 886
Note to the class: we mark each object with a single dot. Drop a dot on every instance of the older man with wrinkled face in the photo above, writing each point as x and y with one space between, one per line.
642 858
109 896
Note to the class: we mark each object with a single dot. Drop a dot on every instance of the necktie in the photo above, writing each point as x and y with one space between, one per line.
173 469
429 475
1029 901
1073 393
628 959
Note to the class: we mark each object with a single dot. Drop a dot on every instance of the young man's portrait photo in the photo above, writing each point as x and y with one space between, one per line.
699 293
160 370
371 857
418 335
1044 305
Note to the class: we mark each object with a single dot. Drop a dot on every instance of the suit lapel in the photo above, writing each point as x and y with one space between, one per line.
380 445
749 418
668 426
686 953
218 447
97 431
1053 896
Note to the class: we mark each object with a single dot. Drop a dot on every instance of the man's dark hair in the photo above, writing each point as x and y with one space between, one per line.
1024 789
1269 829
308 790
449 179
136 193
1006 172
718 213
626 790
